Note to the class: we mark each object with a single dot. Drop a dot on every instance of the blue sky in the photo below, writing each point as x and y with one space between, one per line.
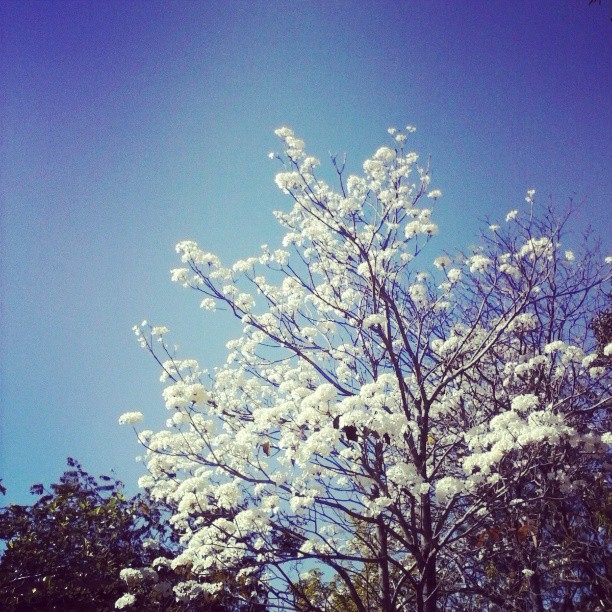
128 126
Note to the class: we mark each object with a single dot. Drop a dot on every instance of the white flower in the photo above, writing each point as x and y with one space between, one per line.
132 576
522 403
527 573
442 262
494 227
288 180
179 274
479 263
161 562
374 169
529 196
608 259
384 154
511 215
309 164
557 345
284 132
208 304
448 487
536 247
434 194
131 418
374 319
418 294
608 349
569 255
454 274
412 229
125 601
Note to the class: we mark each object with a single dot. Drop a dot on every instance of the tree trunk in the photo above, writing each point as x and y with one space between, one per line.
429 578
536 593
383 567
430 595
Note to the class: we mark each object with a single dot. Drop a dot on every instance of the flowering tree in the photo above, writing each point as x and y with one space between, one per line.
374 417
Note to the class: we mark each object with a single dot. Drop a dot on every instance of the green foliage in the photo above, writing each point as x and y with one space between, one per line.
333 596
66 550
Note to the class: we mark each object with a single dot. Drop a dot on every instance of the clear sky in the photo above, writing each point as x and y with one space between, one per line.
127 126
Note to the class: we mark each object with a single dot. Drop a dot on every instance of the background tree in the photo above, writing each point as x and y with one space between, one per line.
432 423
65 552
82 542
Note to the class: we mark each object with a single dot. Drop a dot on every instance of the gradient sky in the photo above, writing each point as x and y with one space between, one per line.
128 126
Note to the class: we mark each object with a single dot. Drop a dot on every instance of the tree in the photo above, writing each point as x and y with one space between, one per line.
65 551
82 542
432 426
